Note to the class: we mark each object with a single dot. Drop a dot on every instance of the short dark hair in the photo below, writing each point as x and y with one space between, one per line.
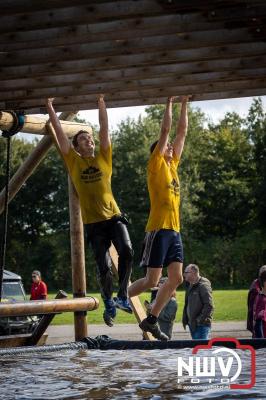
262 278
75 137
154 144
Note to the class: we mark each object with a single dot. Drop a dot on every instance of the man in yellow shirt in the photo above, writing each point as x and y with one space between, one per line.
91 175
162 243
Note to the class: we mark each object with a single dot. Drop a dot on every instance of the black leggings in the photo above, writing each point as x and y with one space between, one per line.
100 235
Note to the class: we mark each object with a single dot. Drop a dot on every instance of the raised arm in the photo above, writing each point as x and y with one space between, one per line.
166 125
105 140
181 129
61 137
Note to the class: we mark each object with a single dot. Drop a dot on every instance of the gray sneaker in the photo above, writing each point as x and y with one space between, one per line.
154 329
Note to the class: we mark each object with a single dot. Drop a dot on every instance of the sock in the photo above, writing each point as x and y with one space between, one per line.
151 319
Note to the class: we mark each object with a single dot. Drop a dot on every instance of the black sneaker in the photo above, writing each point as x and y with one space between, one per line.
154 329
109 312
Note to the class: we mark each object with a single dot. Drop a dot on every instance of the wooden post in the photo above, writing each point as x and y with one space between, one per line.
138 310
77 259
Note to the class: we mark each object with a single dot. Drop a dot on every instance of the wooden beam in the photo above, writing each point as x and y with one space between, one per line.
123 47
137 308
175 89
124 29
84 13
181 70
90 65
25 6
158 99
96 32
38 125
137 84
35 307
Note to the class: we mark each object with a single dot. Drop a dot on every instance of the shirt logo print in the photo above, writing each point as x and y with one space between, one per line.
91 174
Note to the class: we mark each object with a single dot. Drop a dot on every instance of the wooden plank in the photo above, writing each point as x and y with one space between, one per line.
11 7
141 93
135 302
158 99
90 65
84 14
137 84
95 32
131 73
130 46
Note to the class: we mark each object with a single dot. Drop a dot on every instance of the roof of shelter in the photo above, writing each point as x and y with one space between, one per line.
137 52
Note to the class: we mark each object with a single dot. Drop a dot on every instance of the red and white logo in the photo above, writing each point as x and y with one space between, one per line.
233 367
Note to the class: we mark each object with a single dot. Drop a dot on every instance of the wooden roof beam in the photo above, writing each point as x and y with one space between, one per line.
75 101
90 65
125 47
137 84
180 70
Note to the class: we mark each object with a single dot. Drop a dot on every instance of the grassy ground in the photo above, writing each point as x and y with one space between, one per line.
230 305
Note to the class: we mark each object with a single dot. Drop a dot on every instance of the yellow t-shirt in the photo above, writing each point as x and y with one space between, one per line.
91 177
164 191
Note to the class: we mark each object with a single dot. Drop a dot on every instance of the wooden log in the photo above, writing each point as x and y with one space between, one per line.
30 164
86 14
163 57
137 308
119 47
43 323
140 84
23 6
37 125
158 99
35 307
161 91
114 30
181 69
77 259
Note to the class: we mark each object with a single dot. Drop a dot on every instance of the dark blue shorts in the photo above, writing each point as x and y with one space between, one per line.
161 248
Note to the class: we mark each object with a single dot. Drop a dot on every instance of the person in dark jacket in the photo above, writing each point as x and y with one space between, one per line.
254 289
198 308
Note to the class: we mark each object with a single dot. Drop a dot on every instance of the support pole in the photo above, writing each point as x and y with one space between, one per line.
77 259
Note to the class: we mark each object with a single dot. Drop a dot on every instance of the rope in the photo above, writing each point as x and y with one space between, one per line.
18 122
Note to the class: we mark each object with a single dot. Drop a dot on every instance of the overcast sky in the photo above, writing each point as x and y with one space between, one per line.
214 109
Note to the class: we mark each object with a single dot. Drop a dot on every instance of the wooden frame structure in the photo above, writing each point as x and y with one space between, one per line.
137 52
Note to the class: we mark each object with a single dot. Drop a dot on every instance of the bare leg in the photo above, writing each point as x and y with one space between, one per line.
150 280
175 279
